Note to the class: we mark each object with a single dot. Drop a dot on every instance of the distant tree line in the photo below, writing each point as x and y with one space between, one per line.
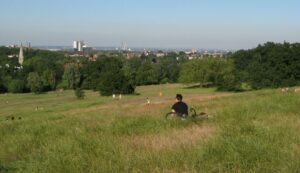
271 65
41 71
44 71
268 66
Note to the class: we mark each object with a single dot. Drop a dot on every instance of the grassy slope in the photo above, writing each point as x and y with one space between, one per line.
249 132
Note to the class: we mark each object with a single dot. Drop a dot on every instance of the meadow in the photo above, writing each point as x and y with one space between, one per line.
257 131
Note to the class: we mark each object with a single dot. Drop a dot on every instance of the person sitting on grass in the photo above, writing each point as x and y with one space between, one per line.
180 108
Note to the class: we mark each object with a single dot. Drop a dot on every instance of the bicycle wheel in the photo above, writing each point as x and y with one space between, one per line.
171 115
200 116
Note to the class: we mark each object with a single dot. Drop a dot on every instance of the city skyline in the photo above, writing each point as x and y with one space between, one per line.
169 24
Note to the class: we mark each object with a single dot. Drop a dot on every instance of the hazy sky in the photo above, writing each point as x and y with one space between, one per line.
223 24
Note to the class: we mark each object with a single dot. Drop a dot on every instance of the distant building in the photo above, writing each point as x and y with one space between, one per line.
124 46
159 55
78 46
194 51
81 48
87 50
12 46
75 46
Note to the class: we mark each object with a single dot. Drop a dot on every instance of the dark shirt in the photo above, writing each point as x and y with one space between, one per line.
181 108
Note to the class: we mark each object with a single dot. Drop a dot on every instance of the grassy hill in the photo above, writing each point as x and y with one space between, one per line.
246 132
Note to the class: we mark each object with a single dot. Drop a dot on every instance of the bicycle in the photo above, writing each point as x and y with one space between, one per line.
193 113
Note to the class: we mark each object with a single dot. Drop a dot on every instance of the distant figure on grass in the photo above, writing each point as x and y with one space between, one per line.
290 90
160 94
114 96
120 96
284 90
180 108
148 101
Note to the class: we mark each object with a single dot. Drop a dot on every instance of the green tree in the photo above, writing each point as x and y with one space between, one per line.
147 74
111 82
34 82
113 79
72 76
170 69
49 80
17 86
3 89
195 71
269 65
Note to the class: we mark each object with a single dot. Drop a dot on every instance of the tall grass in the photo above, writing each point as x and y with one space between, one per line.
254 132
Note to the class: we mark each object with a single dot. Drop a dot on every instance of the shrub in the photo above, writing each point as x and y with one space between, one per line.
3 89
79 93
34 82
16 86
62 85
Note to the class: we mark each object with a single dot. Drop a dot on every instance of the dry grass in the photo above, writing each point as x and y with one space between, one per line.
188 136
140 106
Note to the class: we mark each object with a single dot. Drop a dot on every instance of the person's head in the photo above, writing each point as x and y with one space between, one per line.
179 97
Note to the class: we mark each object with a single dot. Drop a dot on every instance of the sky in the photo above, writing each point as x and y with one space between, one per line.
207 24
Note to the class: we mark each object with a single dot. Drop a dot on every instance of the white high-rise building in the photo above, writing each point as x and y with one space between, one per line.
75 45
78 46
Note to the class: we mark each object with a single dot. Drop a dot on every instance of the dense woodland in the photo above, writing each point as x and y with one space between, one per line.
270 65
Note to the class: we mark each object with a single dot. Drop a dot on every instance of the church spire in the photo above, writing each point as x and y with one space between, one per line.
21 55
